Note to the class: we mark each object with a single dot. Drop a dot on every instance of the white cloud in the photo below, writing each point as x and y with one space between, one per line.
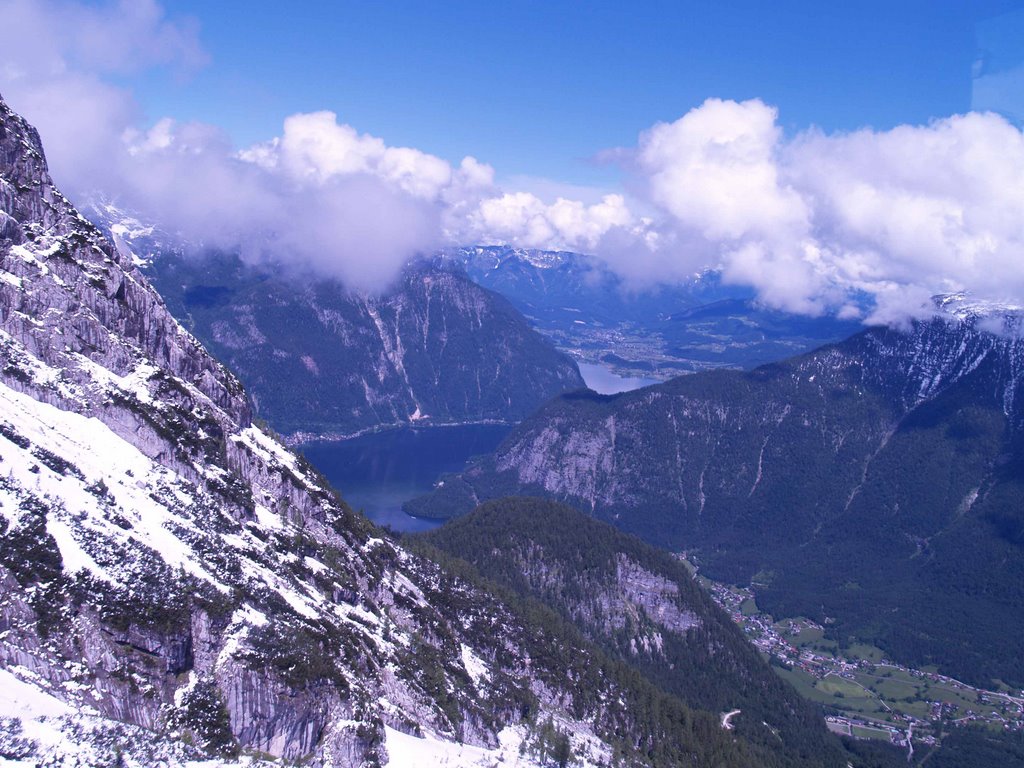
320 196
819 222
315 146
936 207
55 66
715 171
815 222
53 37
523 219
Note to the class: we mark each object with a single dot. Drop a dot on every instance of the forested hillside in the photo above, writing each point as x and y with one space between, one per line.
643 607
852 485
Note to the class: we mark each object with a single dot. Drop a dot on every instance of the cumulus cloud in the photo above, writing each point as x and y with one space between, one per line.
523 219
715 171
934 207
321 195
869 222
866 223
315 146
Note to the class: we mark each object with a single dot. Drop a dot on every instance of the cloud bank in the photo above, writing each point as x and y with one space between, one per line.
824 221
321 195
866 223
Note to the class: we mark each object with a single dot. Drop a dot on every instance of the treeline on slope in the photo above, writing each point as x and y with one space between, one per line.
822 481
652 727
711 668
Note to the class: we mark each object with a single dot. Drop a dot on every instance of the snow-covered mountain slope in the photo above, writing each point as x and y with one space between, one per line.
319 359
179 588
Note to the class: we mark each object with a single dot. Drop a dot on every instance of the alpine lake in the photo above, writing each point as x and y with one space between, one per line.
376 473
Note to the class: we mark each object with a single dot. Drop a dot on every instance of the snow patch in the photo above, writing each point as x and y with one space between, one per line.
22 699
95 455
266 448
405 751
476 667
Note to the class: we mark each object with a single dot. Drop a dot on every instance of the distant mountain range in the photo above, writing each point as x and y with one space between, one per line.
324 361
659 332
875 485
445 344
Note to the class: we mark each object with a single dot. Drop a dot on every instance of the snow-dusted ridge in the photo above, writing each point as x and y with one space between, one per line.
1002 318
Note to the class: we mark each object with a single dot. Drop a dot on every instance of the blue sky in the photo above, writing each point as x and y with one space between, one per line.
537 88
817 152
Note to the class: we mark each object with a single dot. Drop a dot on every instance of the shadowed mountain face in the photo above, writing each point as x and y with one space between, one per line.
318 359
854 485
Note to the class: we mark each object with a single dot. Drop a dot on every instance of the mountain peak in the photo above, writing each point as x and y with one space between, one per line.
1001 317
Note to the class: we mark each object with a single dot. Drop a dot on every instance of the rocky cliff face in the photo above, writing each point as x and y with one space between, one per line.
318 359
179 587
845 482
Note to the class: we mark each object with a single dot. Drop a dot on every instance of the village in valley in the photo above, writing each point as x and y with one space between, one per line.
864 694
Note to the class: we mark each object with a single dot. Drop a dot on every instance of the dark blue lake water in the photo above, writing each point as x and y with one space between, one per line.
377 473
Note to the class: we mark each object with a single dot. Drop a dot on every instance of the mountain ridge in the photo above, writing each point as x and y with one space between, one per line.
901 450
322 361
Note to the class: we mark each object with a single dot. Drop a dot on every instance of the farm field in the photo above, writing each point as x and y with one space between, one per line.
866 694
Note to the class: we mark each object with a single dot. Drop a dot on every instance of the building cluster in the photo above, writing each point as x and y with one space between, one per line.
779 641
